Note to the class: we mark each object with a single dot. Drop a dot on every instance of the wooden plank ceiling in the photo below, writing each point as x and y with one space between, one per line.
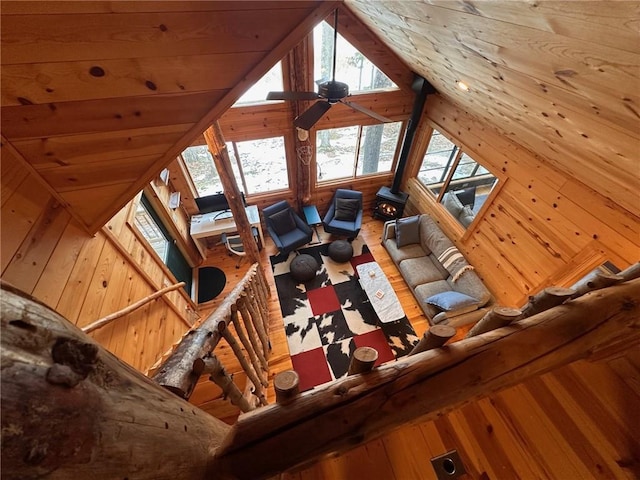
560 77
97 97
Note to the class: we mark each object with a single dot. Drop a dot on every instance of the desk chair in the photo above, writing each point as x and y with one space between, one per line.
234 244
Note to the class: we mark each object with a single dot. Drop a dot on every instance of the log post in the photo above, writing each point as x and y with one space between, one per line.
71 409
218 148
343 414
435 337
287 386
257 322
594 281
219 376
547 298
251 332
631 272
256 376
497 317
362 360
255 363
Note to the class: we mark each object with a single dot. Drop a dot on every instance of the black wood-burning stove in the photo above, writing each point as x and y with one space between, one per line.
390 201
389 205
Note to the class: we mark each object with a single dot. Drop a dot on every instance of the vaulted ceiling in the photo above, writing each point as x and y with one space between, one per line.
97 97
561 78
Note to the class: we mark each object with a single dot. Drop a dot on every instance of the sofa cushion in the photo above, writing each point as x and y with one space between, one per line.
431 237
451 300
282 222
452 203
466 216
417 271
347 209
399 254
407 231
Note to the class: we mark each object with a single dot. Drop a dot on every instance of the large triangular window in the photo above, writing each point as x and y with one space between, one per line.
352 67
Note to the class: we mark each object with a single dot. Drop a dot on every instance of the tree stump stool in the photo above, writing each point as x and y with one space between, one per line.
303 268
340 251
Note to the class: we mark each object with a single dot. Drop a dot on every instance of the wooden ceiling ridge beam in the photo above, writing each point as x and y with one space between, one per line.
320 11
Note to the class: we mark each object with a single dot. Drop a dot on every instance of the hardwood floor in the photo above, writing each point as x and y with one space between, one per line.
580 421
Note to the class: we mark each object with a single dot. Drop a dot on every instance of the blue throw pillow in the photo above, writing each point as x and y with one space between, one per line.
452 301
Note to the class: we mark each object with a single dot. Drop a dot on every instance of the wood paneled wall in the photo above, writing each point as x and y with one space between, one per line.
49 255
543 227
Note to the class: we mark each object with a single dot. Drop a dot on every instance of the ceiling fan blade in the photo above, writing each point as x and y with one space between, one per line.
292 96
309 118
366 111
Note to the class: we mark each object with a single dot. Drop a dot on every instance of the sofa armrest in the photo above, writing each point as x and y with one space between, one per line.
388 230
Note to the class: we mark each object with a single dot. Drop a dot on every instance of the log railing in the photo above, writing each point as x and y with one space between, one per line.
70 407
337 416
246 309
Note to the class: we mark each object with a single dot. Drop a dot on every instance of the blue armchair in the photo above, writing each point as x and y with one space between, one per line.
344 216
286 228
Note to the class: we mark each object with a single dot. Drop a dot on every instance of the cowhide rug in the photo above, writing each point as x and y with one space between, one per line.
327 318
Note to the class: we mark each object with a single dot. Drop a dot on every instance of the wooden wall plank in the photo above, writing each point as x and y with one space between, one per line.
43 83
57 272
70 118
20 212
34 252
95 147
137 35
19 7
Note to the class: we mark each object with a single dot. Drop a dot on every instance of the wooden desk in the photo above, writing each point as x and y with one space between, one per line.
216 223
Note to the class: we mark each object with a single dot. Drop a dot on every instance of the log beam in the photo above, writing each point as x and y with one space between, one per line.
434 337
547 298
337 416
70 409
219 376
497 317
218 148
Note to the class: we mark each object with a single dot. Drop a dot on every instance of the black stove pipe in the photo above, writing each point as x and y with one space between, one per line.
422 88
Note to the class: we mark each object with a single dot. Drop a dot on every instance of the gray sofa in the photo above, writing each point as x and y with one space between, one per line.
430 264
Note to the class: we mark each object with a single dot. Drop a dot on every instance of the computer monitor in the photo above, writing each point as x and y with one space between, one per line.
216 202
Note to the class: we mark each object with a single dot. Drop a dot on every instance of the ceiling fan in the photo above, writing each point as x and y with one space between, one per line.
331 92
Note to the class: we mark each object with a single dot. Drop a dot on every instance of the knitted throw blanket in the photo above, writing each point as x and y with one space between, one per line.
454 262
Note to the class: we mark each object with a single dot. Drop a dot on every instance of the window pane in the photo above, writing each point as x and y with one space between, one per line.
203 172
336 152
438 159
272 81
151 231
264 164
352 67
377 147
